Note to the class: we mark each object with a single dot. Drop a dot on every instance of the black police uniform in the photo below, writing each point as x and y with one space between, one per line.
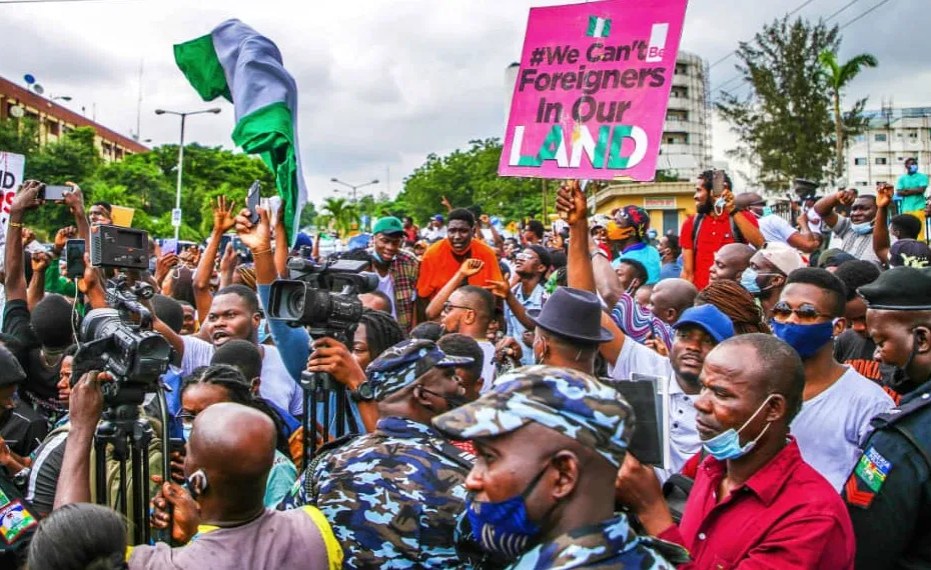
888 494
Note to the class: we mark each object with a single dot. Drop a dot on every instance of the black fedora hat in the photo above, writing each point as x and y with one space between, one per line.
574 314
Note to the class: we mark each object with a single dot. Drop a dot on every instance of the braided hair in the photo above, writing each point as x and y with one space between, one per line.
737 303
382 331
240 392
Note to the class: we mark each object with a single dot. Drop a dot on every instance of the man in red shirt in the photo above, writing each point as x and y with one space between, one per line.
444 258
706 232
755 502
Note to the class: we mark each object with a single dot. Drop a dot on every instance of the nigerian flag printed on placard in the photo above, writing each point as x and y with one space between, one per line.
245 67
598 27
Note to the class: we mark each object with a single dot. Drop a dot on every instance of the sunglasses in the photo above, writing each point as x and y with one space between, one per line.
524 256
447 307
806 312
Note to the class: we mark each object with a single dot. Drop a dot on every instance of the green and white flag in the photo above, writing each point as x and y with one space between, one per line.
238 63
598 27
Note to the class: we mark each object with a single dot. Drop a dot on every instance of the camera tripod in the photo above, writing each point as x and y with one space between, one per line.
129 436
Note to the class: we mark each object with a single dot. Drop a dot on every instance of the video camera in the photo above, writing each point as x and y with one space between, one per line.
323 298
120 340
124 248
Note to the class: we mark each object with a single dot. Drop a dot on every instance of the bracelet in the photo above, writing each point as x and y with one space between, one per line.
598 252
262 252
16 224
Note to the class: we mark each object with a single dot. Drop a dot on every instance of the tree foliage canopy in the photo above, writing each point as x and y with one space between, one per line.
785 123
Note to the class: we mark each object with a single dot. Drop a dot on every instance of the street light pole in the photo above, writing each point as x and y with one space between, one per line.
176 213
354 187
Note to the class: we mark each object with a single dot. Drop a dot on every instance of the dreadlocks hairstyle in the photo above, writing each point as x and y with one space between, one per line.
735 302
382 331
240 392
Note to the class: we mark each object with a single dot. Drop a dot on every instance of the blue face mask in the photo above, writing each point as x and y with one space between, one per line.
767 211
504 527
186 432
863 228
805 339
748 281
912 168
726 445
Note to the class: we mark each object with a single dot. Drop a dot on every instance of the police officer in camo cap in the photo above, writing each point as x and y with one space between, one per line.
393 496
549 443
888 494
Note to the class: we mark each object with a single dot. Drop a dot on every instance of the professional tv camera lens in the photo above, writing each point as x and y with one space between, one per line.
296 303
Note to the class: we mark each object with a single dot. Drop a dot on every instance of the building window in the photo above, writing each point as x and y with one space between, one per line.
859 138
881 161
54 128
680 92
681 69
862 183
860 162
913 135
879 137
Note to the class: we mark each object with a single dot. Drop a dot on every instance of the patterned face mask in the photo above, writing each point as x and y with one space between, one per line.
504 527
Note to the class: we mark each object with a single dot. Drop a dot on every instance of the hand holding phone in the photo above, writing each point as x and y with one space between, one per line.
54 193
253 199
74 258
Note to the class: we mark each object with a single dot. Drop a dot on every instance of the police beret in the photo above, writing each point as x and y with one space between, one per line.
900 289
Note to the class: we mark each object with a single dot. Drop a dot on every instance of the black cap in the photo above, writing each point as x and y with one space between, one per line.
805 187
899 289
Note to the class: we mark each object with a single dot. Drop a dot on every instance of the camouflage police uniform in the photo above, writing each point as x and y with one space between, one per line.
888 494
593 414
393 496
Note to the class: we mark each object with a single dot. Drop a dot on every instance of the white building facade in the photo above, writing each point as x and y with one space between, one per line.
879 154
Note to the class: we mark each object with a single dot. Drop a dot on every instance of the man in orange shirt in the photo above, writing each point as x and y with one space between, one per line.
441 261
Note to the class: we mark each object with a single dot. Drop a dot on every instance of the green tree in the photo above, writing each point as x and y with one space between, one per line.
467 177
19 136
341 213
839 75
784 124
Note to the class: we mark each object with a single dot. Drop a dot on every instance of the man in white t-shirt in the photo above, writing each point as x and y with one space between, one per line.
775 228
234 313
698 330
436 230
838 403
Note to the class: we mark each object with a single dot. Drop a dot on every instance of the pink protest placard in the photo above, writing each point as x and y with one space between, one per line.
591 94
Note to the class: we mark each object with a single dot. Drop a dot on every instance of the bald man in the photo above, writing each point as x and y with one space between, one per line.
229 455
730 261
775 228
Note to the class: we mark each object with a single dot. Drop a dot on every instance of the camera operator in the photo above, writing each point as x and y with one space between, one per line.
229 456
375 332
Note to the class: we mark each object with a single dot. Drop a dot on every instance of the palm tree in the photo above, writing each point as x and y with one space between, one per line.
342 212
839 75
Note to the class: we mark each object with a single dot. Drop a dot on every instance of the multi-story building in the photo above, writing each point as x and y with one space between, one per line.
893 135
686 148
54 120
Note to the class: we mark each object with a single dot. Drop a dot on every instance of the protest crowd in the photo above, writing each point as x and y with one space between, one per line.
487 417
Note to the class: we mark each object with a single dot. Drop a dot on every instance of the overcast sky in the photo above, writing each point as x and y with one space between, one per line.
383 83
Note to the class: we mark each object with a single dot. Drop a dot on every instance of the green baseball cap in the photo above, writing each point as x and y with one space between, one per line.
388 225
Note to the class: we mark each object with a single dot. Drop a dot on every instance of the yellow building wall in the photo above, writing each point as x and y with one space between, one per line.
654 198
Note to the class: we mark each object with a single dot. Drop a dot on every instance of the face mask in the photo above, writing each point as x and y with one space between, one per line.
451 401
186 432
378 258
767 211
805 339
900 378
863 228
748 281
504 527
726 445
912 168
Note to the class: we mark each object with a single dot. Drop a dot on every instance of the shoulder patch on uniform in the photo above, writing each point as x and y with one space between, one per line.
15 520
867 478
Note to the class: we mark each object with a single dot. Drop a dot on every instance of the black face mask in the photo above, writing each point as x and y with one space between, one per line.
900 380
451 401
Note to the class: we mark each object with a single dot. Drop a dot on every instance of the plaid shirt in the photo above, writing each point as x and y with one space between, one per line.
404 270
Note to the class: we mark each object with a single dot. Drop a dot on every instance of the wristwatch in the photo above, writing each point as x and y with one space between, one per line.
364 393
